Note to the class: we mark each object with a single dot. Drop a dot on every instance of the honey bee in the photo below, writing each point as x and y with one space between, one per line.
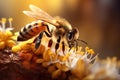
57 29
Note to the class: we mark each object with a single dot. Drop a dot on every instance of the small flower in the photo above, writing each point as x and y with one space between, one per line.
71 57
3 27
105 69
6 34
57 63
79 64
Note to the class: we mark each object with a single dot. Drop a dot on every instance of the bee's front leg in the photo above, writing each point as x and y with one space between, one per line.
76 45
57 44
63 47
71 45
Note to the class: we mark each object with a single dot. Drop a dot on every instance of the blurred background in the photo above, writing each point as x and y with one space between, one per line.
98 20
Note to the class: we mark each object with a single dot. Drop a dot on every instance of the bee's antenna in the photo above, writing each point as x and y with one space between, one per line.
83 41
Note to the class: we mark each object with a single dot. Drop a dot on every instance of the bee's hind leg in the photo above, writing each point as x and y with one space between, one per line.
39 38
35 39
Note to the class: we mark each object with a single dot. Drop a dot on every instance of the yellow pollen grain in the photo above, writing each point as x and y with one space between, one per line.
3 20
10 43
68 54
87 48
64 59
16 33
91 51
10 19
14 37
73 48
50 53
16 48
8 33
82 53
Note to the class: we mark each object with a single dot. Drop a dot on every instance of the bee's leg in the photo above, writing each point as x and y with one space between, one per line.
57 44
63 47
48 35
35 39
76 45
50 43
70 45
39 38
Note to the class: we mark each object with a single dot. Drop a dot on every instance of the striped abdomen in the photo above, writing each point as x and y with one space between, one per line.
31 30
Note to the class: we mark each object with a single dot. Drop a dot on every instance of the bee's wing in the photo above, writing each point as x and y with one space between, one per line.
39 14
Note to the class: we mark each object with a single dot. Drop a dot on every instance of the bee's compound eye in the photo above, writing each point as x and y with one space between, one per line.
70 35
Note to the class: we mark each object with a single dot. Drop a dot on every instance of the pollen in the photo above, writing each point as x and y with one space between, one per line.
16 49
4 20
6 35
86 48
65 58
9 33
56 63
90 51
10 19
82 53
10 43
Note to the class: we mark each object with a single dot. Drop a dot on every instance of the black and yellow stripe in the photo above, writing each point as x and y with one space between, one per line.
31 30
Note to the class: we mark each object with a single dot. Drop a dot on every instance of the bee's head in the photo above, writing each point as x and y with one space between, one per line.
72 34
72 38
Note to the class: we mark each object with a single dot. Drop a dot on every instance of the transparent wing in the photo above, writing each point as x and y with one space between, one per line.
39 14
40 11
